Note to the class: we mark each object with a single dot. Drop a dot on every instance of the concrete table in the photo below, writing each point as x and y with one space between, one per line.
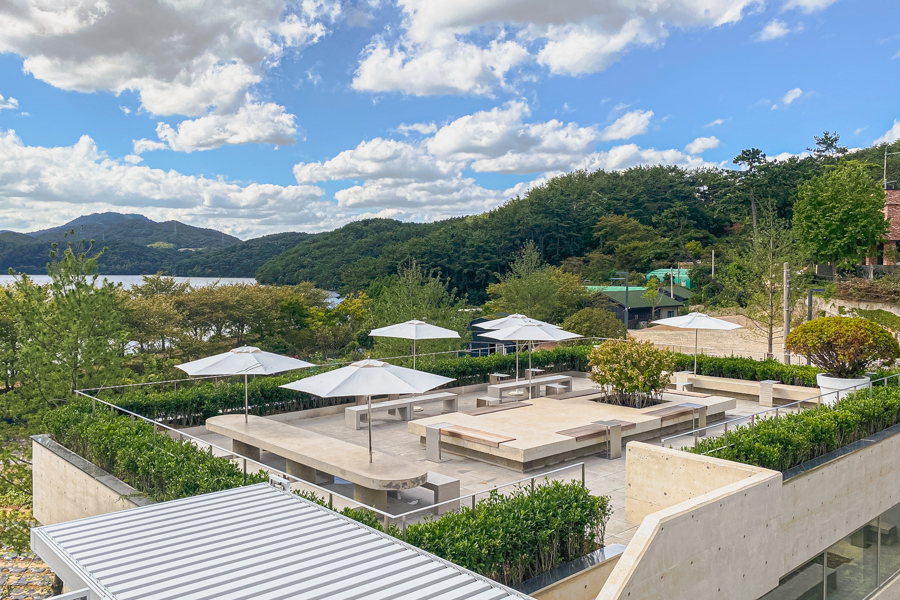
307 453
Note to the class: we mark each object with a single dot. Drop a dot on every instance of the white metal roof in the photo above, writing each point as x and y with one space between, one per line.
254 542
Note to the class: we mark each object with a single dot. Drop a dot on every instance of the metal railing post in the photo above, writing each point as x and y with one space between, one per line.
473 503
403 527
331 501
582 475
726 434
532 486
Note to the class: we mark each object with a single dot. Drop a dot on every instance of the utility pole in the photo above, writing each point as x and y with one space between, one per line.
714 264
671 284
787 310
886 154
809 306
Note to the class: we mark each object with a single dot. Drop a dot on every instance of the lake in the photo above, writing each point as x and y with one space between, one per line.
128 281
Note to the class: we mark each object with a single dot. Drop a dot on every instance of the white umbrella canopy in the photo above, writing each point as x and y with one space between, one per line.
246 360
414 330
368 378
530 330
698 321
509 321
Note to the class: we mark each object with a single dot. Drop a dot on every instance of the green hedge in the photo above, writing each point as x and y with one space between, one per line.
792 439
468 370
513 537
193 404
507 538
153 463
749 369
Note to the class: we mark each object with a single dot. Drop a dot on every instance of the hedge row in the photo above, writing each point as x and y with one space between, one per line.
749 369
789 440
153 463
508 538
468 370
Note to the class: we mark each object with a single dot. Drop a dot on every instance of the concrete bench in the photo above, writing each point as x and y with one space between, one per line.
444 488
610 431
554 389
496 407
355 415
308 453
476 436
495 378
497 390
484 401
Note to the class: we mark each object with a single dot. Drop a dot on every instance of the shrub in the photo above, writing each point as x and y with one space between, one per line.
843 346
596 323
749 369
789 440
468 370
636 372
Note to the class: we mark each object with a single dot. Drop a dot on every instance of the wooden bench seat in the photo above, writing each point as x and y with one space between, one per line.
687 393
354 415
585 432
577 394
475 436
486 410
670 412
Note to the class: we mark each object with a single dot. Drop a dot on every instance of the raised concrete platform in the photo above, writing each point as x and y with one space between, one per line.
307 452
550 430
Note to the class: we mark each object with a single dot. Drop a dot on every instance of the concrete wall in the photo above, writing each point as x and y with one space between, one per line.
583 585
713 545
749 390
67 487
824 504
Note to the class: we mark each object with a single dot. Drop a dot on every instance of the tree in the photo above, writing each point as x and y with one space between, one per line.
595 323
754 159
828 147
70 330
652 295
839 216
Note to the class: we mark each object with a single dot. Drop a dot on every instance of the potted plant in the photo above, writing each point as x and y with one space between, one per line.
634 373
844 348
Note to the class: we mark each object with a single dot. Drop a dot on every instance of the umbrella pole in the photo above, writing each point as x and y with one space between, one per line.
530 372
246 400
369 420
517 361
414 354
696 333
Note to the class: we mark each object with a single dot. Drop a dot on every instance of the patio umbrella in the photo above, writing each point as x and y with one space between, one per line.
246 360
697 321
414 330
509 321
368 378
531 330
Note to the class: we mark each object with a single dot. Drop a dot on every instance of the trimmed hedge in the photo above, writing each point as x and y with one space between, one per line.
153 463
792 439
749 369
508 538
468 370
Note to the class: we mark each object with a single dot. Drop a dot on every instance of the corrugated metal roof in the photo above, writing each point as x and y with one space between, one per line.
251 542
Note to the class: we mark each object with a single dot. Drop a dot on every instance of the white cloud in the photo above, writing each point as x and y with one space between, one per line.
449 46
422 128
631 155
891 136
628 125
791 95
714 123
377 159
125 110
51 185
8 104
144 145
254 123
859 130
808 6
701 144
773 30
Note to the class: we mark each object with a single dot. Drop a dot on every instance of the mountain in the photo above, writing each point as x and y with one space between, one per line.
240 260
137 229
121 257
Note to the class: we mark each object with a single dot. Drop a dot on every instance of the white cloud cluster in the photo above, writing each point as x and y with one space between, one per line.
50 185
8 104
195 59
468 47
702 144
776 29
890 136
789 98
427 177
808 6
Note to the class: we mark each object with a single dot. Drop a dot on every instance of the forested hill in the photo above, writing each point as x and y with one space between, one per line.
240 260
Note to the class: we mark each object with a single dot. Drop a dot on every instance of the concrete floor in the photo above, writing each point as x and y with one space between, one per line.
602 476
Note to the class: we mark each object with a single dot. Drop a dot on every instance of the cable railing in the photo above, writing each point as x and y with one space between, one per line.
775 412
403 519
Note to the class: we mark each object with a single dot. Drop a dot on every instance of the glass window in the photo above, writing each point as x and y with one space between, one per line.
851 564
890 543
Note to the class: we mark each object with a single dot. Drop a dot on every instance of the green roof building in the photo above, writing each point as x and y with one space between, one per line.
681 276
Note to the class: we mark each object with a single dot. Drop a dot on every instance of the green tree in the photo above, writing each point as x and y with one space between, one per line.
754 160
652 294
839 216
828 147
595 323
70 330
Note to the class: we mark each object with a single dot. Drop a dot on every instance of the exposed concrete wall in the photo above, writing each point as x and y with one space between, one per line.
583 585
710 546
67 487
657 478
829 502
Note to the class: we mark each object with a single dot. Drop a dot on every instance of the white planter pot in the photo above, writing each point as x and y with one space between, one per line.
835 388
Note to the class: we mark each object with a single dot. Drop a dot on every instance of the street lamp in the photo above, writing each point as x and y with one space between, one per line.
625 273
809 303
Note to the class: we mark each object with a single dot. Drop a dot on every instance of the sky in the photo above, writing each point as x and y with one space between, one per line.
268 116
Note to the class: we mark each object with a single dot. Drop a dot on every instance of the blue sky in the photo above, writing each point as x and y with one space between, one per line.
303 115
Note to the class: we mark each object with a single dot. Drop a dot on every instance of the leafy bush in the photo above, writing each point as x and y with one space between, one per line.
636 372
749 369
596 323
886 319
842 346
792 439
153 463
468 370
